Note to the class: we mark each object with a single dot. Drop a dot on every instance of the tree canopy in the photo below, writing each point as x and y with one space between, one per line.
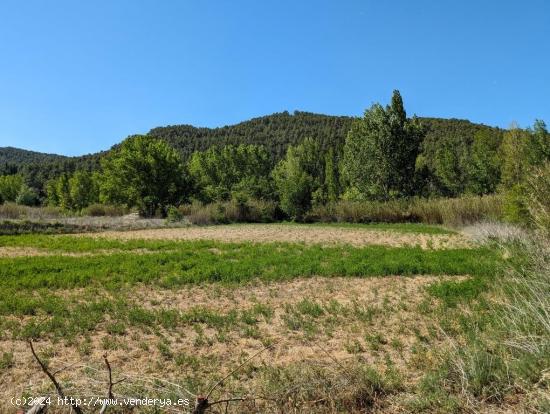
143 172
298 160
381 150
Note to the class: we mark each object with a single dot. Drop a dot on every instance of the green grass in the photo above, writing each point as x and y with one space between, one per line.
45 285
174 264
451 292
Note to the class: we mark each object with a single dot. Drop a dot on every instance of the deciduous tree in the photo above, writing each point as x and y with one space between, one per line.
143 172
381 150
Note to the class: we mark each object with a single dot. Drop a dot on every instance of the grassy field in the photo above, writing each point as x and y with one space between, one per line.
340 326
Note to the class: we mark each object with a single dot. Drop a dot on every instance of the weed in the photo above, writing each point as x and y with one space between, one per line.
375 341
354 347
7 361
165 350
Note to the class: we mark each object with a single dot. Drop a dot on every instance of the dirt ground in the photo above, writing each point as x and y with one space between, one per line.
387 327
263 233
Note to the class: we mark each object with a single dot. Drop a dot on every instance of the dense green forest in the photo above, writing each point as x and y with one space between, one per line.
297 160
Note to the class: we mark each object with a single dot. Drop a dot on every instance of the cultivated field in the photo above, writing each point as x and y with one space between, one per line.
334 318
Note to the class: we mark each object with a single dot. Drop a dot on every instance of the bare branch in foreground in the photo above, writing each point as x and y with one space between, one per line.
54 381
110 395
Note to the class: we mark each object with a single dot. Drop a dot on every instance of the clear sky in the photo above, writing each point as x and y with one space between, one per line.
79 76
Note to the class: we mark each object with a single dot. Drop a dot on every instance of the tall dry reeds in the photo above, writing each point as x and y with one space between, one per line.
454 212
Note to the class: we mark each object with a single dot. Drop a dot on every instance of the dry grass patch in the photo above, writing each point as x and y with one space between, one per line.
263 233
315 321
12 252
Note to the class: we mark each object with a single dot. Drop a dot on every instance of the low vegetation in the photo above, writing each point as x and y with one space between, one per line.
349 328
380 278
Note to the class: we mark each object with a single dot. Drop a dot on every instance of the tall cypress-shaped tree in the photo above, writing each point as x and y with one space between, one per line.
64 192
381 150
331 183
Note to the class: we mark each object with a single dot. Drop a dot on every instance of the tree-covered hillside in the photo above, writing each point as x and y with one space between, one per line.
13 158
445 142
275 132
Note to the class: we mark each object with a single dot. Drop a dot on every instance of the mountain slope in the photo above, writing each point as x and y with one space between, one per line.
17 156
276 132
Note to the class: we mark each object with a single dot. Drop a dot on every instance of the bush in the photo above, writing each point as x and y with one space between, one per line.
173 215
27 196
538 195
234 211
10 185
12 211
515 205
100 210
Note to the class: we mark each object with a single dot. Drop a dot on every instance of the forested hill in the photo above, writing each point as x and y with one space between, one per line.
17 157
279 130
275 132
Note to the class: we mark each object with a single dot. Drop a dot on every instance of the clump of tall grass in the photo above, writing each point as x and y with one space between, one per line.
511 352
101 210
13 211
496 232
234 211
538 203
457 212
314 388
395 211
454 212
505 348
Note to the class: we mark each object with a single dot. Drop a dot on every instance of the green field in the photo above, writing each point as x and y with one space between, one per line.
189 310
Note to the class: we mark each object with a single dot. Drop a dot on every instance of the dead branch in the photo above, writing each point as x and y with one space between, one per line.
202 403
52 378
110 395
217 384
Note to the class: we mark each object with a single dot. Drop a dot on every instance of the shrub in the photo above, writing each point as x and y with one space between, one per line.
27 196
10 186
234 211
515 205
11 211
538 195
173 214
99 210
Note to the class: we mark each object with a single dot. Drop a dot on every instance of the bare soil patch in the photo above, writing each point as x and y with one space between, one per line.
263 233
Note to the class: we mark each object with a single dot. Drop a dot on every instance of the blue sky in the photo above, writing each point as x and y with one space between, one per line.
77 77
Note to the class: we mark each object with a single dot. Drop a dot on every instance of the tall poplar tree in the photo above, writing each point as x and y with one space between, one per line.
380 151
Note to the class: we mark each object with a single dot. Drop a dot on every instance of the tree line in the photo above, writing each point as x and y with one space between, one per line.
382 155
